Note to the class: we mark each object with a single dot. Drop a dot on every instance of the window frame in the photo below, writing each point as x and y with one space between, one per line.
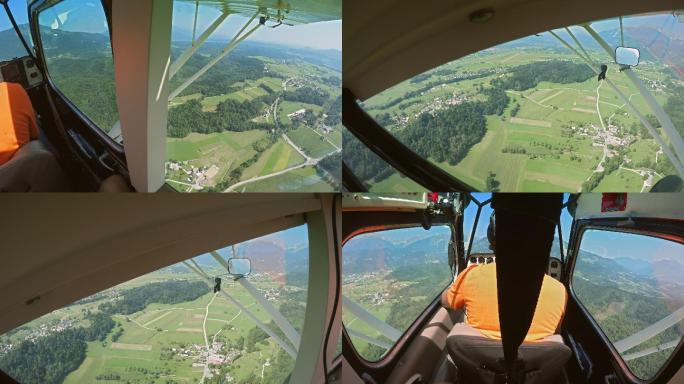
666 229
389 359
35 9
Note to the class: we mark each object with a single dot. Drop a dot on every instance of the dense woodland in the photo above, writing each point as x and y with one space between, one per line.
230 115
306 95
334 113
166 292
448 134
50 359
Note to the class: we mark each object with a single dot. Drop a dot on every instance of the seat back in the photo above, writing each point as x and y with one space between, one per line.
32 169
480 359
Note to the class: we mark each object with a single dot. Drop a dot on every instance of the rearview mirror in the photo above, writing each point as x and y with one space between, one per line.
627 56
239 267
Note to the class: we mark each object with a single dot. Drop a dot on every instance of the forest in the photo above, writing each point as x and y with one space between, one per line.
637 312
230 115
448 134
50 359
165 292
306 95
528 76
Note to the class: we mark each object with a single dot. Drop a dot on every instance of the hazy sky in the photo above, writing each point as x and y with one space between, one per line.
323 35
640 247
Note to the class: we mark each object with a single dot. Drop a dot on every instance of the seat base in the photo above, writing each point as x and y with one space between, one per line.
480 359
33 169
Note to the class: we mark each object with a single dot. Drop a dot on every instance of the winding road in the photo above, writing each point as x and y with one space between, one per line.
309 161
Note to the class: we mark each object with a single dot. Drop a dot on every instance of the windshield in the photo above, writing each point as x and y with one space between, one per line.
532 115
10 44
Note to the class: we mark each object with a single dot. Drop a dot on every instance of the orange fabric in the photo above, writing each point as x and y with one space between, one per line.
17 120
475 288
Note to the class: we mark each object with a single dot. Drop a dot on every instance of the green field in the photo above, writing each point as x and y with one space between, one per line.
300 179
287 107
311 142
201 161
555 157
226 150
280 156
142 352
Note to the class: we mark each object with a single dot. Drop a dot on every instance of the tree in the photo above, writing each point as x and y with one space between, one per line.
492 184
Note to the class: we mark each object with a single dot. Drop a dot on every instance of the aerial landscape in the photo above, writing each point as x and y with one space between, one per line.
169 327
529 115
265 118
623 294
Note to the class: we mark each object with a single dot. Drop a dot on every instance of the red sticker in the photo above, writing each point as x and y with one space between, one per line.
614 202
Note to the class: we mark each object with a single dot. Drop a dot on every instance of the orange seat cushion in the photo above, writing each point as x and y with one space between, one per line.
17 120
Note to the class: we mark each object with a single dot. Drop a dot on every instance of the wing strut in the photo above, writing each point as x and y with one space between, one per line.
196 44
663 118
385 329
277 317
666 149
284 345
239 37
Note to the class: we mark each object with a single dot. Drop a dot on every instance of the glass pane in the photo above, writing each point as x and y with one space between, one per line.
77 48
393 275
266 117
169 326
629 283
534 115
10 44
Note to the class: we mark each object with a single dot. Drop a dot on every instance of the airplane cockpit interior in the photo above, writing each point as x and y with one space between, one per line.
402 253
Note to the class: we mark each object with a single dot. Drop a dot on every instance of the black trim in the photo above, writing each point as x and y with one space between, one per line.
394 152
381 370
660 228
350 182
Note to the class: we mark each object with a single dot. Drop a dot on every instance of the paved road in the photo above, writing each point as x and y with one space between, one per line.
308 159
206 373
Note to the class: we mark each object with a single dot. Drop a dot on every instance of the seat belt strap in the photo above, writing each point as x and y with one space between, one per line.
525 225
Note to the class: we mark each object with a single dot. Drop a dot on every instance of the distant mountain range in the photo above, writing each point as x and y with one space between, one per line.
55 42
372 253
83 45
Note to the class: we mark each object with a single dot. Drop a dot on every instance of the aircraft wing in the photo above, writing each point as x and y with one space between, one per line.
291 11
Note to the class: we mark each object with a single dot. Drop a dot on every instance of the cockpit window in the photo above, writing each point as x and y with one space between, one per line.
75 42
390 277
532 114
631 285
10 44
172 326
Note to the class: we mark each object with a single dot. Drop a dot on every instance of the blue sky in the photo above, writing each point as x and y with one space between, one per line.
640 247
471 211
323 35
18 8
